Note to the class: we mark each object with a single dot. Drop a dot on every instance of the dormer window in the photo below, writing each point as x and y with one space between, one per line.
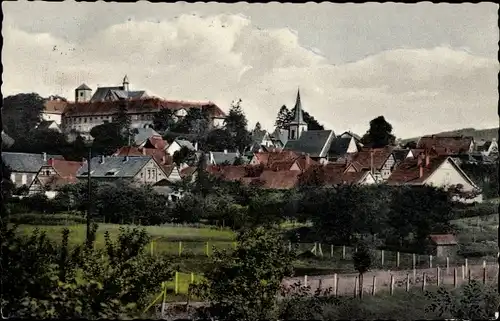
112 172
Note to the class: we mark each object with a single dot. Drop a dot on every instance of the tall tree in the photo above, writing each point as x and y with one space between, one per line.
236 125
362 260
163 120
21 113
107 138
258 127
124 121
283 118
380 134
244 284
312 123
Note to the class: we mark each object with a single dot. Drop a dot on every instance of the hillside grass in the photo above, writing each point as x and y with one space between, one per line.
477 236
478 134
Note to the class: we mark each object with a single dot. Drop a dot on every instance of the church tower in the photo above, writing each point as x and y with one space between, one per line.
83 94
125 83
297 126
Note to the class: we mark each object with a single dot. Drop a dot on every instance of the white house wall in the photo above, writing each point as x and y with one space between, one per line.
174 147
150 173
175 176
352 148
52 117
368 180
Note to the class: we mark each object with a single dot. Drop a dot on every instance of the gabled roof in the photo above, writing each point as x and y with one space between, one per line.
298 116
55 106
279 136
83 87
363 157
351 134
443 239
121 166
188 171
279 180
184 143
160 155
400 154
316 143
446 145
66 173
46 124
26 163
143 134
222 157
7 141
339 146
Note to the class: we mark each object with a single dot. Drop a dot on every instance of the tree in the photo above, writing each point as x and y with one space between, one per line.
21 113
258 127
283 118
163 120
77 150
107 138
362 260
312 123
217 139
314 176
236 125
410 145
195 123
379 135
244 285
7 187
182 155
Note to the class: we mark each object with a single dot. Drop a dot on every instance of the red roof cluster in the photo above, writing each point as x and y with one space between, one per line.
335 174
66 172
363 158
446 145
415 170
137 106
283 160
55 106
163 159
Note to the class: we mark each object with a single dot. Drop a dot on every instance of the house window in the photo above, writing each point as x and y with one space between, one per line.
142 175
47 172
85 120
81 94
149 174
293 134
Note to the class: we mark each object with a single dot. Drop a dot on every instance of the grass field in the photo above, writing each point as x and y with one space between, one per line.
477 236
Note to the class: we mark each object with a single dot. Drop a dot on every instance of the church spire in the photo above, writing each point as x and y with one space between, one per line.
298 117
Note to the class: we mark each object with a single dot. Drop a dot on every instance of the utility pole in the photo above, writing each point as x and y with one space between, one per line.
89 192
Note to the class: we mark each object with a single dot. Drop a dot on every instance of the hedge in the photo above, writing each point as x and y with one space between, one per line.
47 219
480 209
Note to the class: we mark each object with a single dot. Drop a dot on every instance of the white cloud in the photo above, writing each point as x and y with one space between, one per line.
224 57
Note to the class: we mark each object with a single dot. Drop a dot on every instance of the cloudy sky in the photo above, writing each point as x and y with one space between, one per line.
425 67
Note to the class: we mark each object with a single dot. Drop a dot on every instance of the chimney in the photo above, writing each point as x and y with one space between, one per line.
44 156
419 160
225 151
102 159
144 151
164 160
50 162
427 160
308 160
124 159
421 171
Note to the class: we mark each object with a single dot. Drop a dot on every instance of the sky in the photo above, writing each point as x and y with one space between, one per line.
425 67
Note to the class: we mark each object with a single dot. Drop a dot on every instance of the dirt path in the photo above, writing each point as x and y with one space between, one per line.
346 282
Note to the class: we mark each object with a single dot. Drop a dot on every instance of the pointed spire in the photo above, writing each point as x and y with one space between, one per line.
125 79
298 117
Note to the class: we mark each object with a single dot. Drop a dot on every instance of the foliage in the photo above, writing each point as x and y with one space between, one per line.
42 279
299 304
188 209
484 175
236 125
163 120
44 219
123 120
285 116
313 177
244 285
282 118
107 138
20 114
217 139
379 135
362 260
473 301
196 123
183 155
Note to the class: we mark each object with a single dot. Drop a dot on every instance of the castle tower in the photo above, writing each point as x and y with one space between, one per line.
83 94
125 83
297 126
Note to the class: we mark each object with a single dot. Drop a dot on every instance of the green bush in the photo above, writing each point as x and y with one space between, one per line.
480 209
47 219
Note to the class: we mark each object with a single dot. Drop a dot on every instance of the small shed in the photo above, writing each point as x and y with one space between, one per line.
443 245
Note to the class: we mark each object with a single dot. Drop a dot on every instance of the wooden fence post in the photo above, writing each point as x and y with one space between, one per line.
176 285
463 272
343 252
470 276
437 276
374 285
180 248
335 284
382 257
484 274
164 295
415 276
152 248
320 249
392 284
430 261
305 280
423 281
320 283
206 249
289 246
455 277
466 265
331 250
355 286
447 265
397 259
408 282
414 261
192 278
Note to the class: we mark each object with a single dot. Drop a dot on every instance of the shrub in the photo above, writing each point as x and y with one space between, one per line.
480 209
47 219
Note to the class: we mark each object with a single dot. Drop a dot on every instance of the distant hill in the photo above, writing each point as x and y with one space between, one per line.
478 134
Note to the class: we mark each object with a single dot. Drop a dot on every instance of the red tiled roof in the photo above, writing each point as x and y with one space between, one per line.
284 165
363 157
408 171
164 160
137 106
66 172
284 160
188 171
55 106
446 145
157 142
443 239
279 180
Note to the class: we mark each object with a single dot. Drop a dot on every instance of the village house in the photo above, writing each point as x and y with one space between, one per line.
261 141
435 170
338 174
342 147
447 145
54 174
279 137
487 147
356 137
177 145
380 162
48 125
282 161
53 109
138 170
24 166
161 157
149 138
223 158
90 110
